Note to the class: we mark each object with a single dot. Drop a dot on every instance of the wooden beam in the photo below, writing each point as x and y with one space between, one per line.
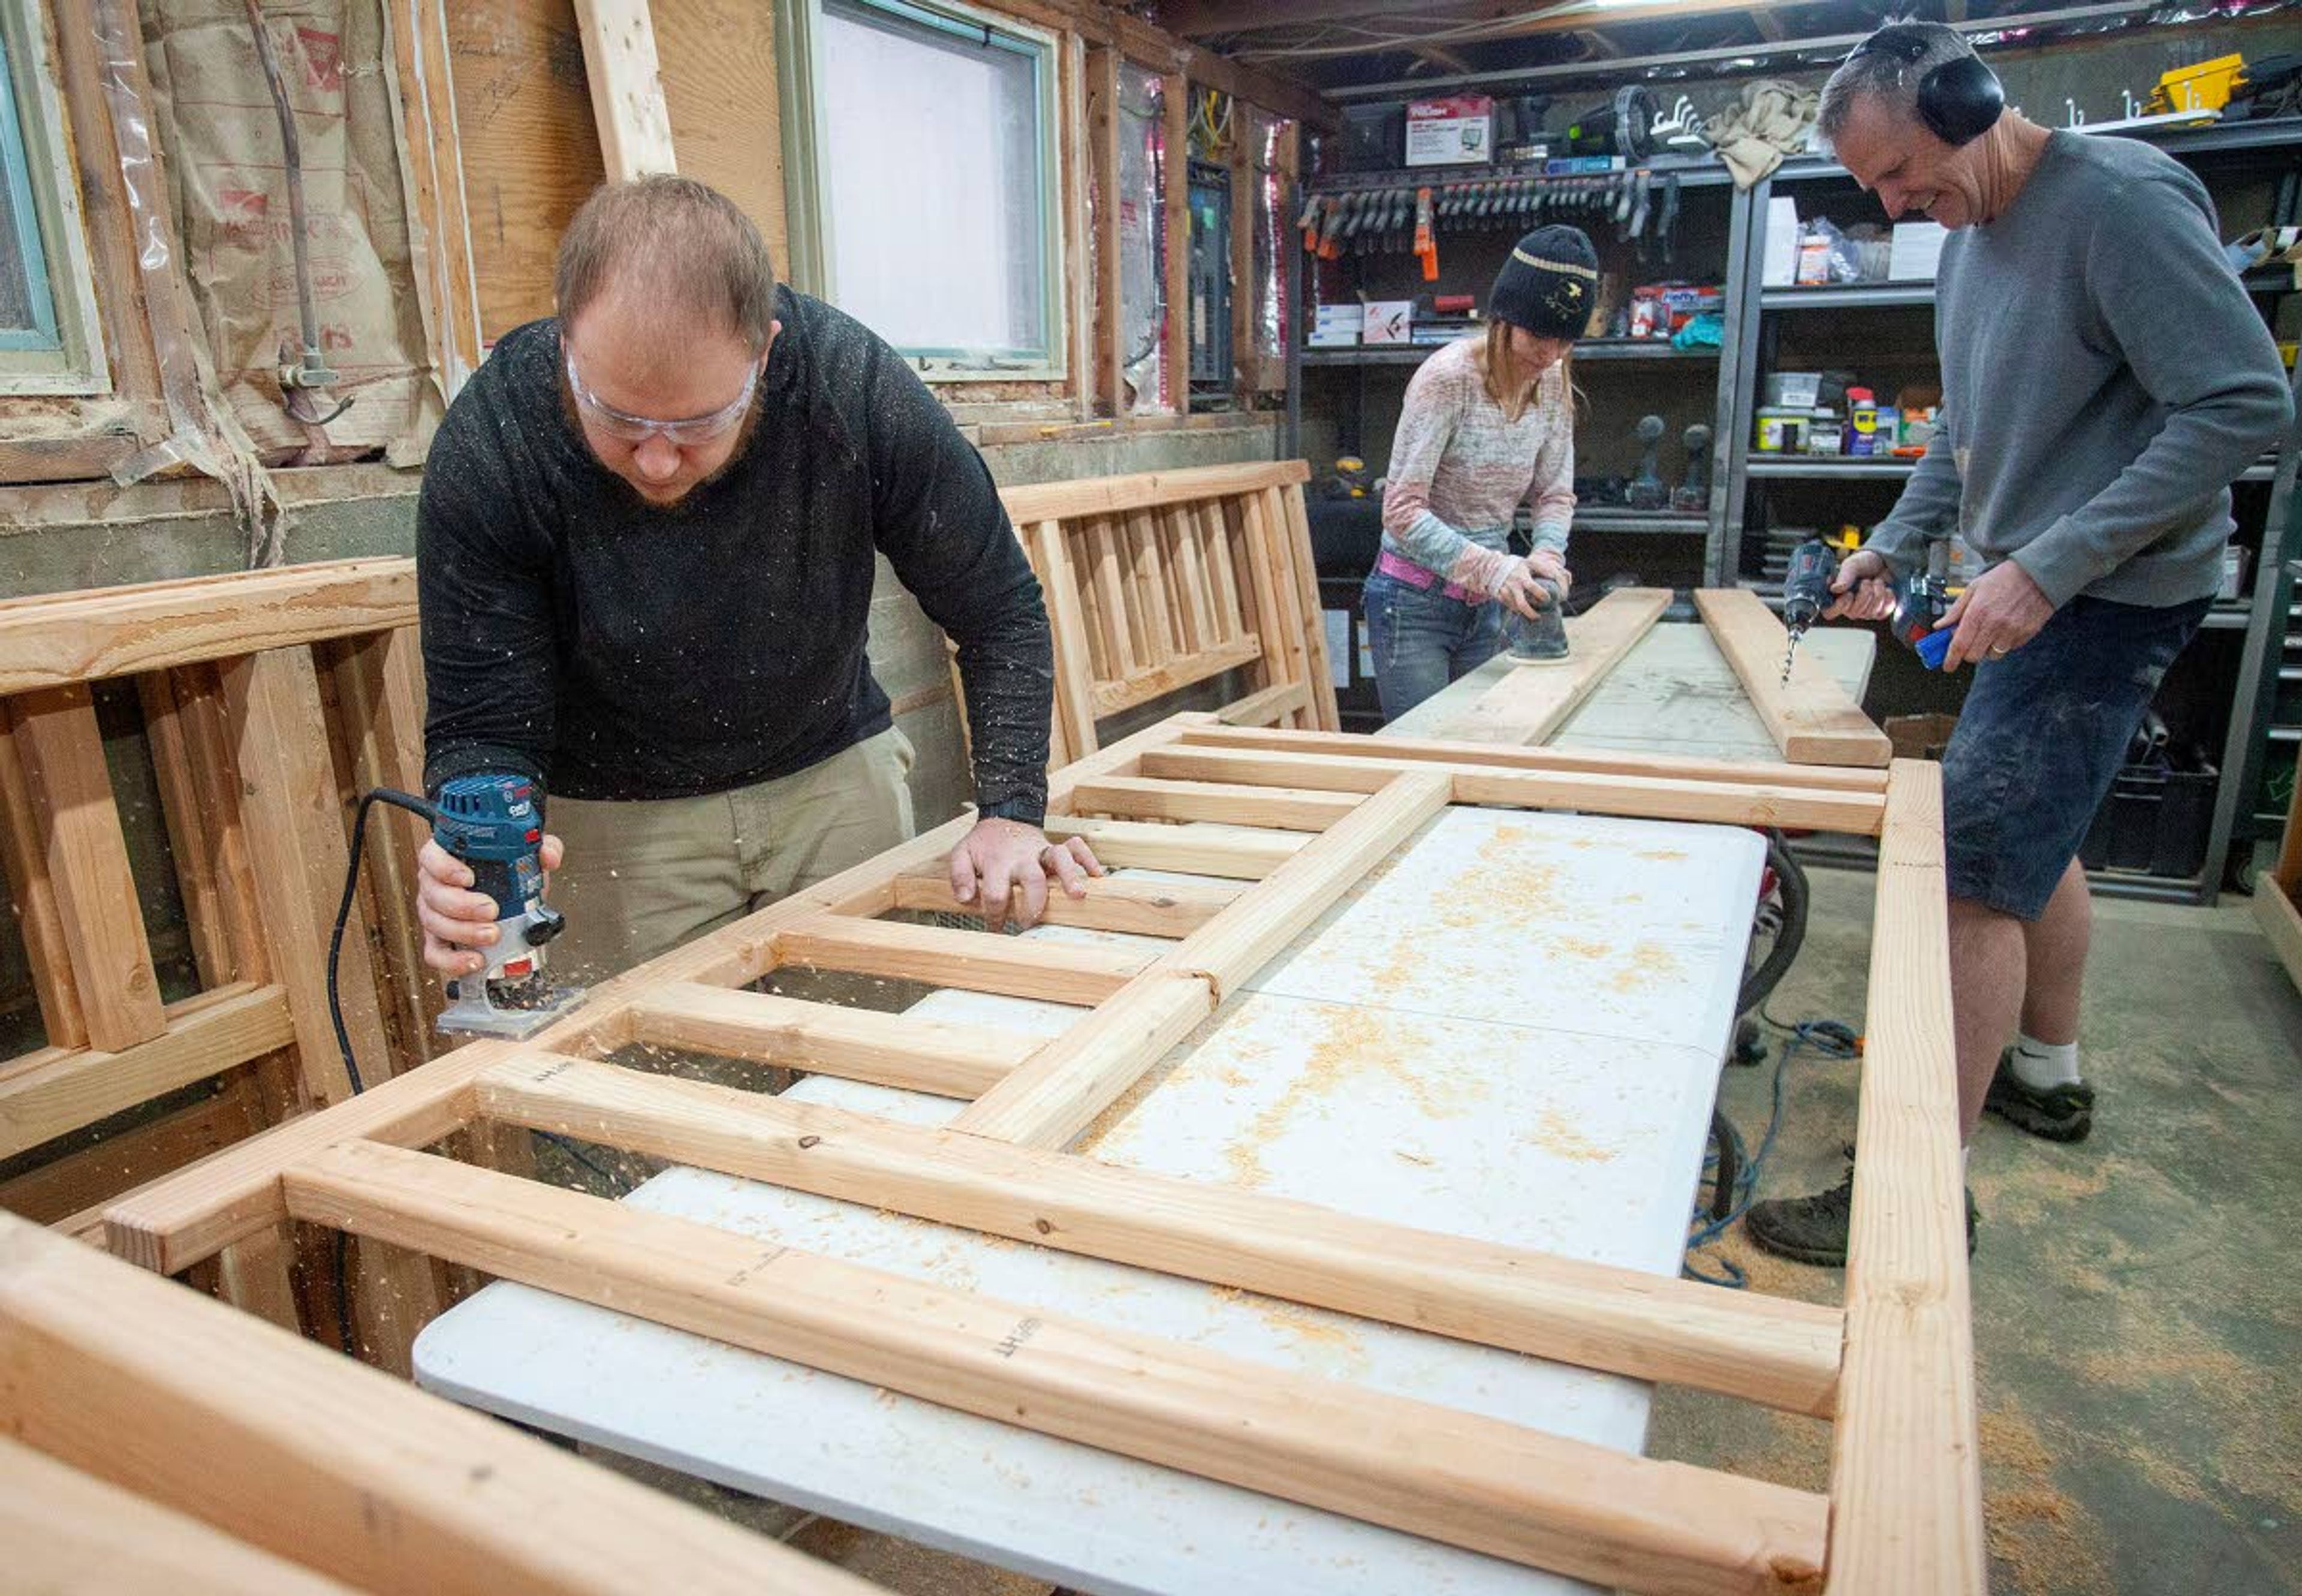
938 1056
1296 531
294 1448
68 638
97 903
62 1190
1112 902
50 1093
722 97
183 811
1103 160
2280 920
1278 600
39 922
1246 359
968 961
1264 708
1232 855
1116 495
71 1535
1074 708
1905 1467
1650 1327
204 726
441 238
1810 718
628 100
1145 797
1454 1476
1175 207
1173 673
1535 700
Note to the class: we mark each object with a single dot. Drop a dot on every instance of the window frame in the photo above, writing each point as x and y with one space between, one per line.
44 191
814 225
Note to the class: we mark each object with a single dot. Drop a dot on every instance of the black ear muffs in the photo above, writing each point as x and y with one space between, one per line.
1959 101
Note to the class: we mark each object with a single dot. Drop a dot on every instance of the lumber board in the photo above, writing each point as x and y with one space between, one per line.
52 642
971 960
1810 718
432 162
1906 1469
1265 707
205 723
183 813
295 837
1151 587
1075 710
1121 657
1535 700
1276 600
1125 903
717 59
69 1192
1326 717
1144 797
1658 798
172 1224
1114 495
940 1056
1194 587
1102 114
1454 1476
50 1093
69 1533
1239 856
297 1450
627 103
1175 234
97 903
24 855
1173 673
1650 1327
1213 529
2281 924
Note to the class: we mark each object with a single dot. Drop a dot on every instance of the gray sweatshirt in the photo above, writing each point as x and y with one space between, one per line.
2105 379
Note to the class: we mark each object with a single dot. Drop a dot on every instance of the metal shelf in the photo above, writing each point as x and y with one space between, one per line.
1589 349
1822 466
2228 617
1849 295
1405 354
2273 133
2261 471
1611 518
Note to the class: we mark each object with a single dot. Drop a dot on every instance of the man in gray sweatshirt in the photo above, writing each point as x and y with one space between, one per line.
2105 379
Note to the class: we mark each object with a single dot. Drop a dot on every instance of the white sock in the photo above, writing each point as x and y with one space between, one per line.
2046 1065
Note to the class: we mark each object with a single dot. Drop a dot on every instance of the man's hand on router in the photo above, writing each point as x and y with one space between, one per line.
1002 869
455 919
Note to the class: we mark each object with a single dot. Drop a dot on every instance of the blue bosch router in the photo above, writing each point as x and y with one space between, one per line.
494 824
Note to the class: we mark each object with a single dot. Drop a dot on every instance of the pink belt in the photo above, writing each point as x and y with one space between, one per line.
1415 575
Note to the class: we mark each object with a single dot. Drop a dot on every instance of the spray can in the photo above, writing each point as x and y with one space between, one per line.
1862 422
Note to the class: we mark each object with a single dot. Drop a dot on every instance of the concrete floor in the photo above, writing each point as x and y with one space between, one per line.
2138 1314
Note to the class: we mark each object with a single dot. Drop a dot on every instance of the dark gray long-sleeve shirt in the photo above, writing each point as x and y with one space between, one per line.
573 632
2105 379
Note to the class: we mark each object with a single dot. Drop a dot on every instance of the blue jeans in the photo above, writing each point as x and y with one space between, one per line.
1422 640
2040 741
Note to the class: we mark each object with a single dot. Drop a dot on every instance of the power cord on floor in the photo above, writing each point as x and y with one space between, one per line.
1829 1039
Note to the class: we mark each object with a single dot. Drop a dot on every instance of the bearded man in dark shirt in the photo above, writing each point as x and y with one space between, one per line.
646 550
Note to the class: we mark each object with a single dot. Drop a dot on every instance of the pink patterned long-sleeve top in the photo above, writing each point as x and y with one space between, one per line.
1459 470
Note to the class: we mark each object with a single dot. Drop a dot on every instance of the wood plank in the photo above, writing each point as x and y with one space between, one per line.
1175 207
71 1535
1214 550
1643 797
171 1225
294 832
2281 924
1270 617
939 1056
1534 701
1074 1077
56 641
97 902
1237 856
1325 716
1111 592
1074 662
1143 797
1455 1476
1596 761
183 809
1810 718
1112 902
1262 708
1114 495
1172 675
1147 560
627 103
1194 587
62 1190
201 1037
1246 158
433 160
295 1449
968 961
39 923
1650 1327
717 60
1293 623
1905 1467
1103 159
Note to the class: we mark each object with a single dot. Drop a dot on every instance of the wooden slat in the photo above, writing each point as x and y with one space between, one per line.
61 1191
205 721
1266 512
1148 560
1642 797
183 809
1322 681
1111 603
1279 807
2281 924
1179 530
1112 902
1810 718
1905 1470
1238 856
69 1533
1215 553
1533 700
1173 673
1246 158
1113 495
52 642
295 842
97 902
294 1448
1101 114
1175 205
1650 1327
1074 663
201 1037
1264 708
1455 1476
39 922
1270 622
968 961
440 241
939 1056
628 100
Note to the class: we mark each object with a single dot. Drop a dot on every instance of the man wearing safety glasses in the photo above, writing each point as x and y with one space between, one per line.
646 553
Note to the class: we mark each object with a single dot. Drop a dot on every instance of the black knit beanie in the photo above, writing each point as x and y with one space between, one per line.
1549 284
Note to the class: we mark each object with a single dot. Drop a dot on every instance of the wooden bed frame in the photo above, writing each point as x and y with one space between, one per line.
1313 812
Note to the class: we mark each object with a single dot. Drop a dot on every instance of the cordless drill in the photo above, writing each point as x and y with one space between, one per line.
1920 601
494 824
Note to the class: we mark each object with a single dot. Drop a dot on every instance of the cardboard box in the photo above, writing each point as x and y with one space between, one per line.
1919 736
1388 321
1916 250
1336 326
1782 242
1458 131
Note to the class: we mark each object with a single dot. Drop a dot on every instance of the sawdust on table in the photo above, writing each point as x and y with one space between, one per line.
1557 1136
1352 1048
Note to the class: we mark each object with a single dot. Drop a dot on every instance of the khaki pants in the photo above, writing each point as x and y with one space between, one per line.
641 877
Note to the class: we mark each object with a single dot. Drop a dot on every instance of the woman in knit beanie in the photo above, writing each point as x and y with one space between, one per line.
1488 422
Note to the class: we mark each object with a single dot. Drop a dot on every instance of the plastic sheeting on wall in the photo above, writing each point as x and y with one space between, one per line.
1142 259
